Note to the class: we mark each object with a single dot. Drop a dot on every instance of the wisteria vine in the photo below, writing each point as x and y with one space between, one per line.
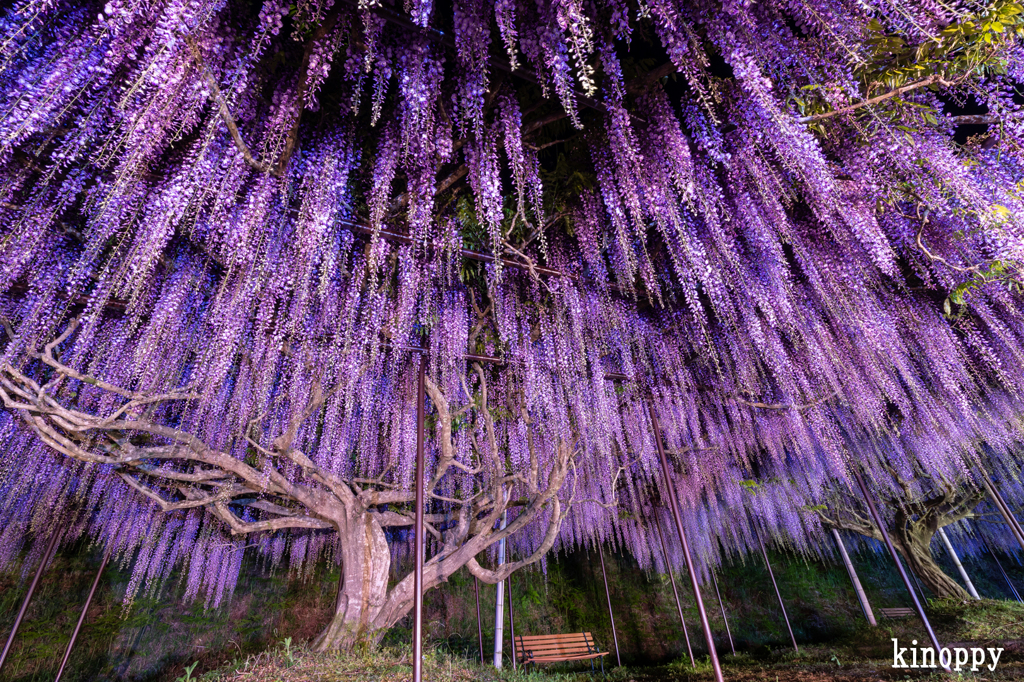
804 258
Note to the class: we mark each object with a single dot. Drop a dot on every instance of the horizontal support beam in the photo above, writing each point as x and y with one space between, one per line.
491 360
466 253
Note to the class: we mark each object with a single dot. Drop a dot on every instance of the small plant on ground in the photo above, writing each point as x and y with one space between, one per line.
289 652
187 677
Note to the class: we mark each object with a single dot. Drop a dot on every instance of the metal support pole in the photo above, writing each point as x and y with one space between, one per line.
960 567
81 617
670 492
1013 590
675 592
608 596
721 605
1003 508
51 547
499 602
778 594
917 581
896 559
511 624
417 628
479 625
48 554
862 597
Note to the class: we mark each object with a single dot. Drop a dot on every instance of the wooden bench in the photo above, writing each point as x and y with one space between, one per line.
577 646
897 613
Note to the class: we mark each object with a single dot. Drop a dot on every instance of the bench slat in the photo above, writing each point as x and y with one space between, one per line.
552 650
556 645
573 658
546 653
578 635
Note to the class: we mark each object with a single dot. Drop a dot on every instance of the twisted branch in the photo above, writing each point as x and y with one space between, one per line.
278 168
923 83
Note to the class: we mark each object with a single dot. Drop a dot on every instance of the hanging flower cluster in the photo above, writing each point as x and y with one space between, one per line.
242 198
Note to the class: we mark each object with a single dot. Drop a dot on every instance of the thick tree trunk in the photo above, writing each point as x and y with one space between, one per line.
933 577
914 544
363 587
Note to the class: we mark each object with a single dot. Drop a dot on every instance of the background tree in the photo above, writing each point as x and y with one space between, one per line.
914 516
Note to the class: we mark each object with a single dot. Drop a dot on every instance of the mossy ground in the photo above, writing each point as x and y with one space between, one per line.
865 654
159 635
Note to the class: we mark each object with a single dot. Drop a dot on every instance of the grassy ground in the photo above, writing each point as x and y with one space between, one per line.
159 635
865 654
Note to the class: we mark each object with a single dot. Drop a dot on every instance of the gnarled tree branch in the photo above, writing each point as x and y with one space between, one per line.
279 167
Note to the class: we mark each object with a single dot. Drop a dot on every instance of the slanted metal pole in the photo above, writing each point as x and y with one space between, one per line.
479 625
960 567
675 592
608 596
1003 508
417 629
499 602
862 597
51 547
511 624
778 594
81 617
670 492
1013 590
920 586
896 559
721 605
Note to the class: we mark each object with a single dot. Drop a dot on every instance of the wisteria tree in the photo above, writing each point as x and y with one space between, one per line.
278 487
229 228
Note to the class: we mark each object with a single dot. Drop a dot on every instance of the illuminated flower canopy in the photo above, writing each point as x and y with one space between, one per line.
770 216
